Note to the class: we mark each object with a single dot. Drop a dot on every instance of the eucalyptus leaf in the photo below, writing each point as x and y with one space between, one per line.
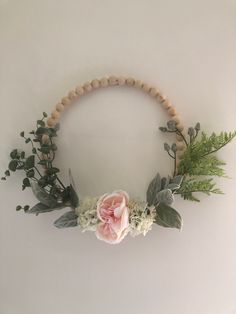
41 131
43 196
53 170
13 154
165 196
30 173
29 163
168 217
68 219
153 188
45 149
26 182
41 123
13 165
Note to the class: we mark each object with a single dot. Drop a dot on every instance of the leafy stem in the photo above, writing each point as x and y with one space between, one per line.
175 164
38 171
215 150
183 137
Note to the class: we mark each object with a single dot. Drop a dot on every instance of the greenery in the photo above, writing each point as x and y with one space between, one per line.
194 184
160 195
198 164
40 174
195 174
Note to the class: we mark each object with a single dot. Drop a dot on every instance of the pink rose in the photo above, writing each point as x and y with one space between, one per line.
113 212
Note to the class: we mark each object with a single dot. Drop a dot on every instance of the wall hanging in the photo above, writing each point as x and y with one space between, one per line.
113 215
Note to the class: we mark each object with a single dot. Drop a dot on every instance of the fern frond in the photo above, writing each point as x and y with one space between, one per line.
192 185
197 158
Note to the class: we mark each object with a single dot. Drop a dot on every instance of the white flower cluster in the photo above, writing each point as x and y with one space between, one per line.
87 214
141 217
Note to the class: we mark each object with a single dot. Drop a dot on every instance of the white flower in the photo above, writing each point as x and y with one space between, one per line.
141 218
87 214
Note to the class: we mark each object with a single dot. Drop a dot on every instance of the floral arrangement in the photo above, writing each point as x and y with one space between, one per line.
112 216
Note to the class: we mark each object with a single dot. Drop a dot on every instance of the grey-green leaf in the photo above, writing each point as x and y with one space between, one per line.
177 179
39 208
153 188
13 165
43 196
168 217
74 199
72 182
29 163
68 219
173 186
165 196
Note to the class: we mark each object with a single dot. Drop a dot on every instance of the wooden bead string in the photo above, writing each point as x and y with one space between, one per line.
81 90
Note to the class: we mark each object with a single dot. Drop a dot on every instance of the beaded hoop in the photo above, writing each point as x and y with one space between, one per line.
112 216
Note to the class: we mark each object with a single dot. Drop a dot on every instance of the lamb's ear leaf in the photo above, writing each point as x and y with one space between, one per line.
42 195
67 220
74 199
167 216
173 186
153 188
72 181
41 208
177 179
165 196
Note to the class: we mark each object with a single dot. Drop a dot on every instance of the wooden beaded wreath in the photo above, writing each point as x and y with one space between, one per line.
112 216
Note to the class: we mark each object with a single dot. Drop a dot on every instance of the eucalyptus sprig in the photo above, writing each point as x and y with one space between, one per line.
40 174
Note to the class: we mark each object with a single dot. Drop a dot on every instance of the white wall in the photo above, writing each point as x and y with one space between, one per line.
187 48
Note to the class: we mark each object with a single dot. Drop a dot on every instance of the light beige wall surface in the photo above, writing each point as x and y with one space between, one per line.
110 139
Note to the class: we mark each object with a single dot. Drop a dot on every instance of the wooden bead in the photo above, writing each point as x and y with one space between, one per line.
130 81
166 104
146 88
121 80
72 95
88 87
95 83
45 139
177 162
55 115
79 90
179 138
180 153
60 107
51 122
112 80
66 101
138 83
153 91
176 119
162 98
104 82
172 111
180 127
180 145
